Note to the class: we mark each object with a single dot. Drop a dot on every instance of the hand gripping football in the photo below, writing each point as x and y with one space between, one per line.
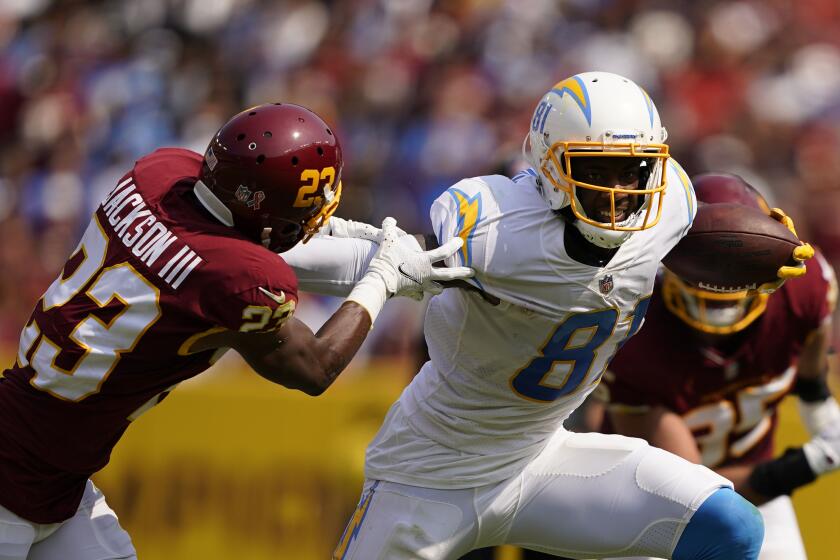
731 247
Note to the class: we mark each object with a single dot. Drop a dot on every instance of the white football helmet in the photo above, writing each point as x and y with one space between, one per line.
598 114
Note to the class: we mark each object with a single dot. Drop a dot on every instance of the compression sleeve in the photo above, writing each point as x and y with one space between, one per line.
330 265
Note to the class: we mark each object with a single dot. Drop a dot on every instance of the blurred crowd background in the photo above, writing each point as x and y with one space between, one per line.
422 93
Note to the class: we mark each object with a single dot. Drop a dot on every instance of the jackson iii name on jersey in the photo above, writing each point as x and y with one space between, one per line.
144 234
111 336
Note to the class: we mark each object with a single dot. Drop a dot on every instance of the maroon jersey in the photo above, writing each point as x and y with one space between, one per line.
727 395
110 337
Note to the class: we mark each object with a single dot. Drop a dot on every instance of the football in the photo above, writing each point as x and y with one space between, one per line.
731 247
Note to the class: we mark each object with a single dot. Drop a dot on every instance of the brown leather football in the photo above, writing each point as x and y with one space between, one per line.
731 247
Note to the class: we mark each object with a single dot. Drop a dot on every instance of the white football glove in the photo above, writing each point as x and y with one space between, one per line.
397 270
339 227
823 454
351 229
823 451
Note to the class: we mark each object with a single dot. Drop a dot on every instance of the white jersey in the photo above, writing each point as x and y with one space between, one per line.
503 378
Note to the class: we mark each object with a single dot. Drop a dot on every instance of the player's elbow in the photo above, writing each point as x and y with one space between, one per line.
309 372
312 377
315 387
321 370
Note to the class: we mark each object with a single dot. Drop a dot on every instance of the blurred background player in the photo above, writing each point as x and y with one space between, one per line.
704 376
179 264
474 452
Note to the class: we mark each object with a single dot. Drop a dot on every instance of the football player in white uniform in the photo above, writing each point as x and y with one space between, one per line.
474 452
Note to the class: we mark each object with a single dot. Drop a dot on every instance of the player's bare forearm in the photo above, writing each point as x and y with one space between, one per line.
661 428
294 356
340 338
667 430
310 362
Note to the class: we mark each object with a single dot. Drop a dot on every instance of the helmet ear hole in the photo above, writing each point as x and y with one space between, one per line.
260 158
289 228
284 235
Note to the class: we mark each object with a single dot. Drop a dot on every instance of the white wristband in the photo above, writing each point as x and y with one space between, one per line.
820 416
821 456
370 292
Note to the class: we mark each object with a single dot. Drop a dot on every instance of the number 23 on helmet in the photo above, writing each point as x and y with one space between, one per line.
275 166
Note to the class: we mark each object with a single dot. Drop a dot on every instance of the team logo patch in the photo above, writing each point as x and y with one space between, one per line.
605 284
250 199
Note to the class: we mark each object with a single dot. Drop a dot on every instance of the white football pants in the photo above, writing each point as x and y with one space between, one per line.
782 540
94 533
584 496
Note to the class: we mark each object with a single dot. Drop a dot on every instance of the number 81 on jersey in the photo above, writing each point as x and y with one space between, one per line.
574 344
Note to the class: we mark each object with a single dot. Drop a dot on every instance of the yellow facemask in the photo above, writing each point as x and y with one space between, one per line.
560 176
692 306
320 219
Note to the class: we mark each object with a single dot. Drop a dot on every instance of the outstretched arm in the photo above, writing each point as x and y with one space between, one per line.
330 265
332 262
293 356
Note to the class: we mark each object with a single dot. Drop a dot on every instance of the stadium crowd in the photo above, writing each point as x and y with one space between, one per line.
421 92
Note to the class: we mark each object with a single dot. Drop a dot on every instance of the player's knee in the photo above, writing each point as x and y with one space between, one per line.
725 527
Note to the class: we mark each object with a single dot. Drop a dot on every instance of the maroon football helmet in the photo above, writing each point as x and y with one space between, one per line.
712 312
715 188
275 166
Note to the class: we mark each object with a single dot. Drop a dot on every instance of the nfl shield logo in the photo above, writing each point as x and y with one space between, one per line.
605 284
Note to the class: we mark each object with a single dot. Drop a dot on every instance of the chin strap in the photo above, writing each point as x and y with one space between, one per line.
594 235
212 203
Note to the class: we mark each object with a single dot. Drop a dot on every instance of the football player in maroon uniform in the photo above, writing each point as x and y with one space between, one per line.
178 264
704 377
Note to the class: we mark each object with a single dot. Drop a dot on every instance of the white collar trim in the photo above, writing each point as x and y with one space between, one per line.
212 203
